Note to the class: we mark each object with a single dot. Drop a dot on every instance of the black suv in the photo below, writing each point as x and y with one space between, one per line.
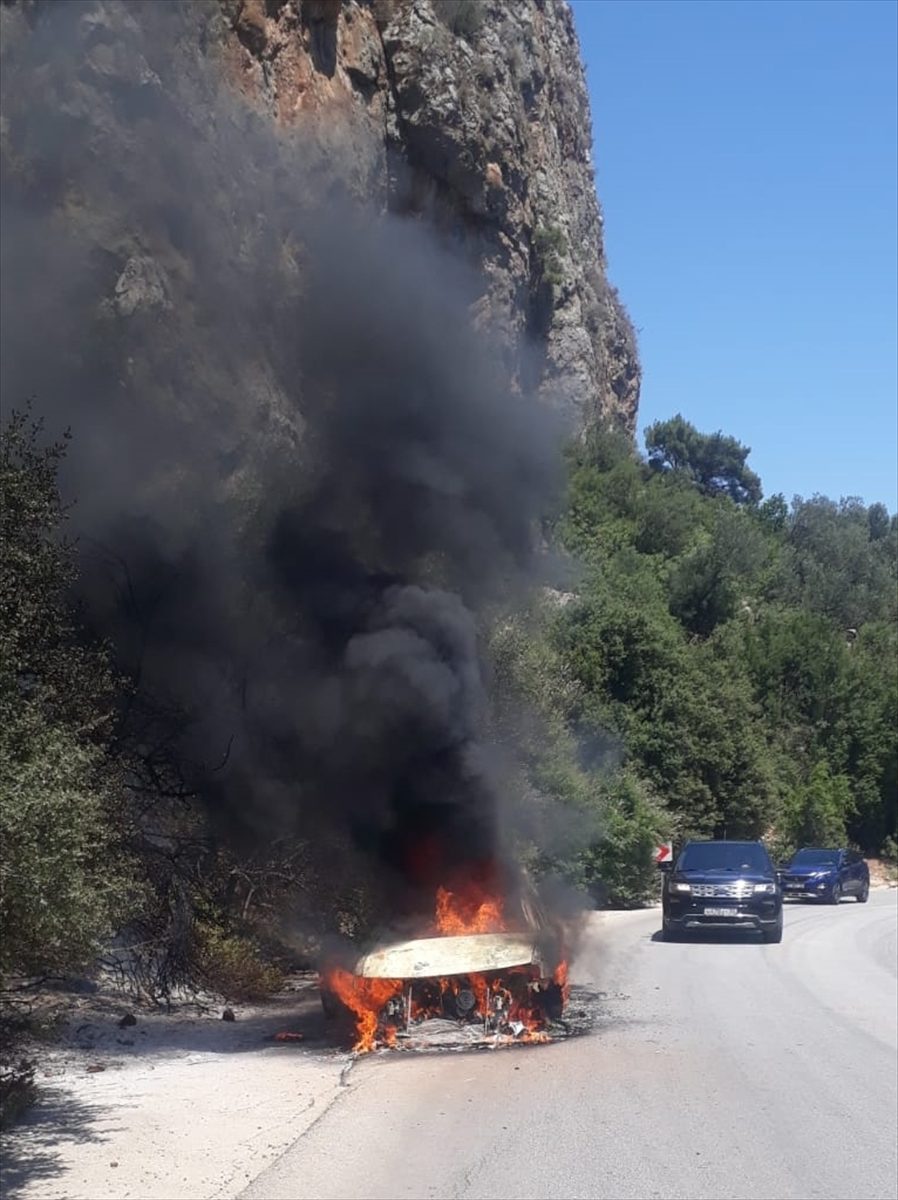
722 883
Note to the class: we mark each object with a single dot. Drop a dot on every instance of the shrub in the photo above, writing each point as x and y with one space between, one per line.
231 965
63 879
550 245
815 813
62 884
622 862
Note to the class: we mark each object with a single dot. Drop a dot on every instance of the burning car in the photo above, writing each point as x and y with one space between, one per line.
476 982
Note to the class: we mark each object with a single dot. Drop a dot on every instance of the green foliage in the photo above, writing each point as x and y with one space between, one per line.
232 964
706 581
815 814
622 860
62 886
715 463
63 879
595 823
834 565
745 655
551 247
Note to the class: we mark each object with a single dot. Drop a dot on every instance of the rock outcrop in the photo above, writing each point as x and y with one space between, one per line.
474 114
470 115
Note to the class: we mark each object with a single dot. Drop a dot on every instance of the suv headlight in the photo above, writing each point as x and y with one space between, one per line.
766 889
680 887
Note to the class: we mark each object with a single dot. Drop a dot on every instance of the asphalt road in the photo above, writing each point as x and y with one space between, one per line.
722 1068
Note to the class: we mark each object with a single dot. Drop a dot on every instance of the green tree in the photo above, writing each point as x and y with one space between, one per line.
62 878
706 583
714 462
833 565
670 517
864 741
734 649
815 813
619 866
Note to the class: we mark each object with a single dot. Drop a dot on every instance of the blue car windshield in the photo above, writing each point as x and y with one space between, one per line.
724 856
815 858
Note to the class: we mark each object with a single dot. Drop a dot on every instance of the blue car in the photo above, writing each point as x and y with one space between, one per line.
826 875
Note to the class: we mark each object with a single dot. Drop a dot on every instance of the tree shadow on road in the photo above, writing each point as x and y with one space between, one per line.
31 1148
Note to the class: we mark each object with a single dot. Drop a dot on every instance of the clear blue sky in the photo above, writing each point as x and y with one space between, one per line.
746 162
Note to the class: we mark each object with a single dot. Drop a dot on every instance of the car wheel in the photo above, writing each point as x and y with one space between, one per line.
864 894
775 934
835 895
668 933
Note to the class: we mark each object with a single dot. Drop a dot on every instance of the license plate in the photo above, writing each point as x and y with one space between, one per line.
794 887
721 912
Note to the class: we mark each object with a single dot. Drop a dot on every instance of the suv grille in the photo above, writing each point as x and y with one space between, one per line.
739 890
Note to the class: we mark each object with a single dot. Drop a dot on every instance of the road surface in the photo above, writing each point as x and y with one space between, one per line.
722 1068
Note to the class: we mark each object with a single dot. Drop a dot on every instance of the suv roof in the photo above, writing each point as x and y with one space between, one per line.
734 843
724 855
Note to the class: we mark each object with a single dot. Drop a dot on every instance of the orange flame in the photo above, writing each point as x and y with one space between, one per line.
472 911
366 998
559 977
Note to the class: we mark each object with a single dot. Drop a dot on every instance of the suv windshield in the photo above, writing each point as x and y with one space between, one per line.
724 856
815 858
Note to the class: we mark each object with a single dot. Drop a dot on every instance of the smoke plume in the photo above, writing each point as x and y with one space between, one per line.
301 476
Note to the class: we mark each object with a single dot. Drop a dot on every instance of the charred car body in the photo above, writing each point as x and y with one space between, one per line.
483 986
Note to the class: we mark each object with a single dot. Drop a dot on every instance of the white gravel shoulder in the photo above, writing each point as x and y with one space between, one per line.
175 1107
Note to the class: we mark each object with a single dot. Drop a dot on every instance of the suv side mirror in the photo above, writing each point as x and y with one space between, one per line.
665 866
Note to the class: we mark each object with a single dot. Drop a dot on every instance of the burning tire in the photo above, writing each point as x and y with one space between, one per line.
551 999
333 1006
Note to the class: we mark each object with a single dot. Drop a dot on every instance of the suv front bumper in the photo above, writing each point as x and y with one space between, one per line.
760 913
807 888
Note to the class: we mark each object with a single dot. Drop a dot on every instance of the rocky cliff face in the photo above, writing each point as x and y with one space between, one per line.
471 116
474 114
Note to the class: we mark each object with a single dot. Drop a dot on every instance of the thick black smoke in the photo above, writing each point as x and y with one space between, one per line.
300 475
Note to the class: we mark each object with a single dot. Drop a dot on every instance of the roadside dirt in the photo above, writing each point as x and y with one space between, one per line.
882 873
180 1106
